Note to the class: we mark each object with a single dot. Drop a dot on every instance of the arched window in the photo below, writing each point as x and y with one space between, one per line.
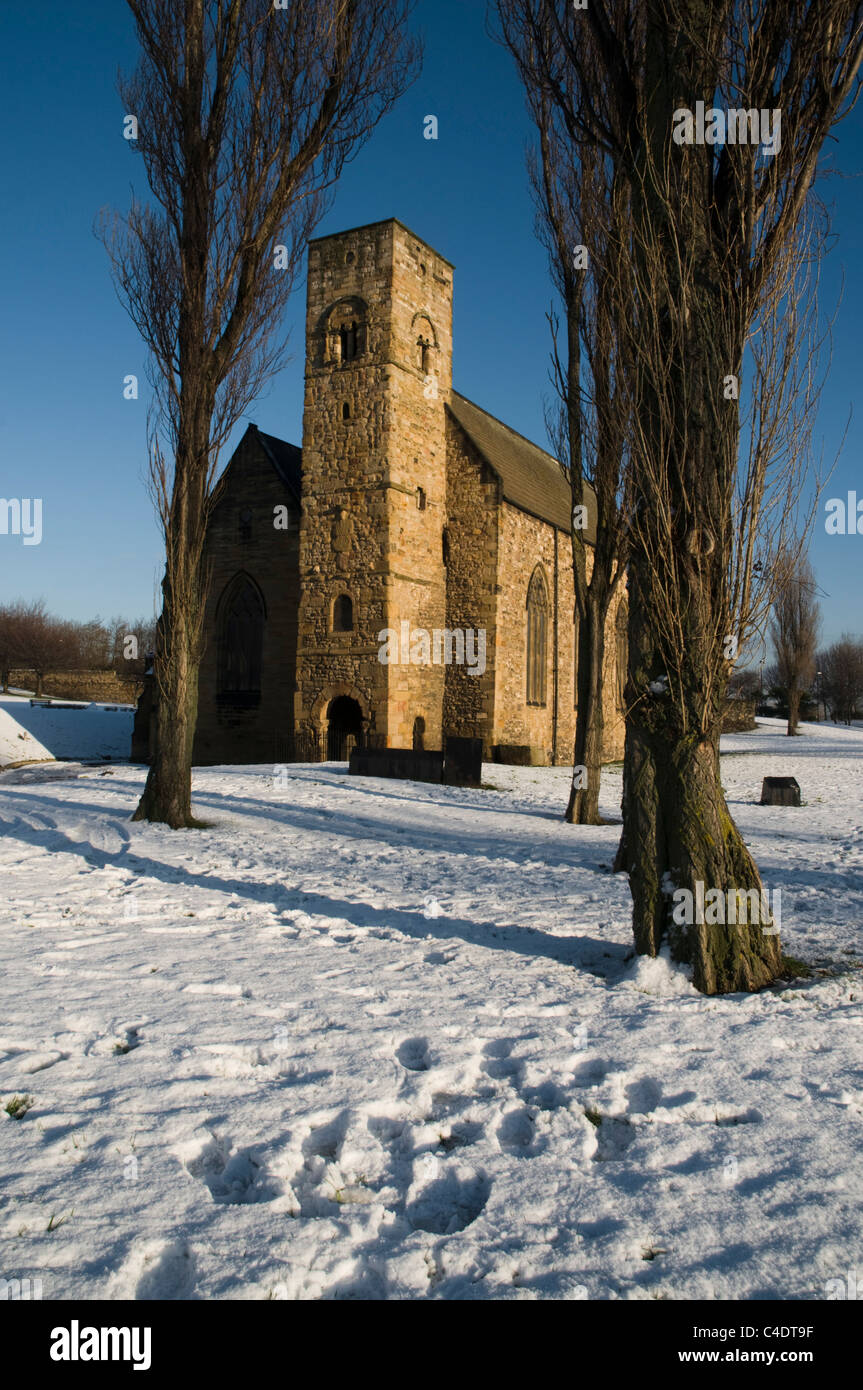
537 637
348 337
345 332
621 654
426 343
241 640
343 614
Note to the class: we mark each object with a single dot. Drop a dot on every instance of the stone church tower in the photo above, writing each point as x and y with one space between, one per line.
374 480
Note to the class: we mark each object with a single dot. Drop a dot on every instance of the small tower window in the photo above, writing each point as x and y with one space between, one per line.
421 499
445 546
245 524
343 614
346 411
348 341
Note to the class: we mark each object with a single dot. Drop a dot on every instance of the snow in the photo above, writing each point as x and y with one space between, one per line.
36 733
374 1039
17 745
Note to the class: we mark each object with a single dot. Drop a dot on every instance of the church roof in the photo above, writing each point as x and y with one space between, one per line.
286 459
530 478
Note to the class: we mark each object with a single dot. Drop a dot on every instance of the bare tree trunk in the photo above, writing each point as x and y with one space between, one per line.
167 795
793 710
678 833
583 808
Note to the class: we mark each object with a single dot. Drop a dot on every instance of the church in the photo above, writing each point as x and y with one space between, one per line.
409 510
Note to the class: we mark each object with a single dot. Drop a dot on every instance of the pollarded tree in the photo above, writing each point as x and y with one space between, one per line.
719 242
245 113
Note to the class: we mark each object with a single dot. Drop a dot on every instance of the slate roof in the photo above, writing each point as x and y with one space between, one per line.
530 478
286 459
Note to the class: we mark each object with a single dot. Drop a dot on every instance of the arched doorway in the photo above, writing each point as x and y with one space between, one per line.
344 727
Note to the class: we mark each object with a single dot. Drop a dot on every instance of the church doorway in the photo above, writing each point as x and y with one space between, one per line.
344 727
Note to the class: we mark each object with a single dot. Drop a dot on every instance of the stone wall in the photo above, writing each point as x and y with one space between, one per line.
548 730
473 495
242 539
104 687
738 716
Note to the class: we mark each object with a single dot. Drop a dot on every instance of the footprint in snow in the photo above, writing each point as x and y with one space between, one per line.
160 1270
413 1054
450 1203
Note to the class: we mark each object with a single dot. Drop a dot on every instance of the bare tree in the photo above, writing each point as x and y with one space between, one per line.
246 114
581 203
841 667
12 618
43 643
794 630
722 239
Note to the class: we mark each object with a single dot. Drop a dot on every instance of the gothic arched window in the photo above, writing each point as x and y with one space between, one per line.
241 640
343 614
621 654
537 637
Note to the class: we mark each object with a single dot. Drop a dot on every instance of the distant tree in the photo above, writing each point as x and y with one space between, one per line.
91 645
794 631
128 644
11 622
45 643
246 114
841 667
744 685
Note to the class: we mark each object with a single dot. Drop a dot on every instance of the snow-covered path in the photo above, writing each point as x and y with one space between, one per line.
379 1039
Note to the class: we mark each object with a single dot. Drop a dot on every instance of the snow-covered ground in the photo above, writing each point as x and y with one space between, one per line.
36 733
368 1039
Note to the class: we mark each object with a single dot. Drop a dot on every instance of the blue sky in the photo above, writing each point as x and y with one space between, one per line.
68 436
